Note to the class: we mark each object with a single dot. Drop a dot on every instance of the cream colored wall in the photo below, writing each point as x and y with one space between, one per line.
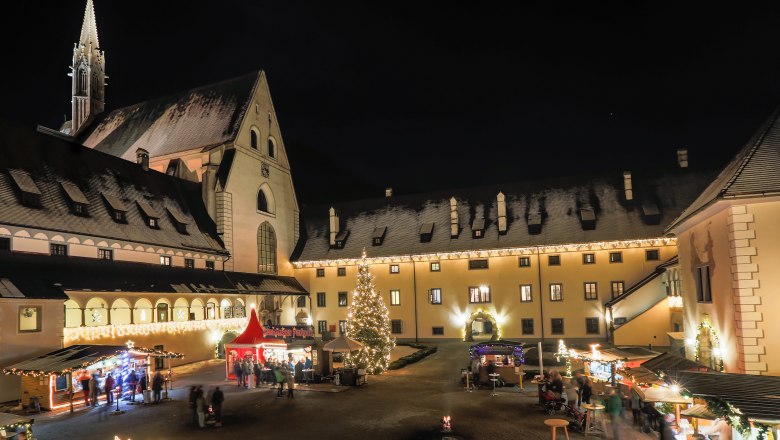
504 277
16 347
649 328
641 300
707 242
37 241
767 259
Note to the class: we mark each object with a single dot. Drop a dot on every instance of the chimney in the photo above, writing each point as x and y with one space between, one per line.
454 227
501 213
334 226
142 158
389 192
629 188
682 157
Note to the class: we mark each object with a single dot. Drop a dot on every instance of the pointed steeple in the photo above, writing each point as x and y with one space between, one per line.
89 27
88 73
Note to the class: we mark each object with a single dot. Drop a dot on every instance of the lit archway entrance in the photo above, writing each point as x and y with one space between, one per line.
487 326
227 337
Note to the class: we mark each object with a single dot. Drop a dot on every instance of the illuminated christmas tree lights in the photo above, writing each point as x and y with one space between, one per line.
368 321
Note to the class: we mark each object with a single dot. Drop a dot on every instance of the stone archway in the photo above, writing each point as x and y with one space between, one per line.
228 336
480 315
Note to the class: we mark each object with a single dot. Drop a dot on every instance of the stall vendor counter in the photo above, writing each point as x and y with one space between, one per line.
507 373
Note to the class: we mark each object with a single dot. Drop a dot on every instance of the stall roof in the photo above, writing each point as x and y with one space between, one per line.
662 394
253 335
699 411
642 375
669 363
496 347
757 397
11 420
78 357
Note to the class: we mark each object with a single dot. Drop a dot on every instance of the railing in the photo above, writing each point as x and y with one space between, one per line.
87 334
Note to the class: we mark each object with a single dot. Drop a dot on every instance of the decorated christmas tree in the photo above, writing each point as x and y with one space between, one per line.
368 321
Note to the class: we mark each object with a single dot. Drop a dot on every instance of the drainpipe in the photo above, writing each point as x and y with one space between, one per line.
541 289
414 288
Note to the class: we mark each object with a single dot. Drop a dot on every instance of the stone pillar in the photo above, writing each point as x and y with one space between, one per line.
108 316
83 317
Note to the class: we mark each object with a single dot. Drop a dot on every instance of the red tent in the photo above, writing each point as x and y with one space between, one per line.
251 343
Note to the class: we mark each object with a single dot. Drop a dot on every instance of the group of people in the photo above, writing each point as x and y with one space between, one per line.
201 405
273 371
133 382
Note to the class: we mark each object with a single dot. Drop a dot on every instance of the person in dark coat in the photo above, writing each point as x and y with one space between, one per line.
587 390
108 387
258 374
239 372
132 382
193 397
299 371
157 385
216 404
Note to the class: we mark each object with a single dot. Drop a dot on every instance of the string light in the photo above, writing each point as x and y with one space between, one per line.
93 361
79 334
368 321
504 252
717 350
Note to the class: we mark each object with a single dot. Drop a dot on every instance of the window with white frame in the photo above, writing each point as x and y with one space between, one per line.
617 288
395 297
525 293
29 319
394 268
591 291
479 294
435 295
556 292
165 260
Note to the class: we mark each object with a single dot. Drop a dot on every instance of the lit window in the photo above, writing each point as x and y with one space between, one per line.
396 326
321 299
524 261
106 254
588 258
435 296
525 293
59 250
437 331
615 257
556 292
342 299
395 297
322 327
394 268
591 291
554 260
165 260
479 294
189 263
153 223
342 327
527 325
29 319
557 326
478 264
592 326
266 248
652 255
341 271
210 265
617 288
320 273
301 301
435 267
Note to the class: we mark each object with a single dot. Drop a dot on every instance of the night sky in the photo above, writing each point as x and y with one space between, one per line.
425 97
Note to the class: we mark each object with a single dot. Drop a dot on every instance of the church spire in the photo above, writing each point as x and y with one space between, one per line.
89 27
88 76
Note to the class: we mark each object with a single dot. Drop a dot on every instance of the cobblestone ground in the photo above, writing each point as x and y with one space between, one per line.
403 404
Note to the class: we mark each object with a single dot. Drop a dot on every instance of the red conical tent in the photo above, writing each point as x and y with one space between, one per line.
252 342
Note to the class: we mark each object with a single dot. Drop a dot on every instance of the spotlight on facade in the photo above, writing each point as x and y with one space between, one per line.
676 388
689 341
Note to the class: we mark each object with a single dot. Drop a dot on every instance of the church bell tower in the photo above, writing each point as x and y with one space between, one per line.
88 76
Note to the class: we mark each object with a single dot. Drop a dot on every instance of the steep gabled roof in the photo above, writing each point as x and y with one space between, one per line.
752 172
196 118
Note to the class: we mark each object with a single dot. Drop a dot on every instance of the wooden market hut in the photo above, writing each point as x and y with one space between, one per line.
48 381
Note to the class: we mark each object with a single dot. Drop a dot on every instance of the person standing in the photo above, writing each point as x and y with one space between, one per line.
587 390
238 371
216 403
258 370
289 376
246 370
475 364
144 384
299 371
636 409
579 380
614 408
193 408
200 407
93 390
108 387
132 382
157 385
279 379
84 380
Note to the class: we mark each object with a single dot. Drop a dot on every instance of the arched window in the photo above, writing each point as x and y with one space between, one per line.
266 249
82 86
253 138
271 147
262 201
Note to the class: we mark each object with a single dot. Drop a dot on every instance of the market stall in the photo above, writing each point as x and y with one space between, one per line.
347 376
11 424
507 356
50 380
252 344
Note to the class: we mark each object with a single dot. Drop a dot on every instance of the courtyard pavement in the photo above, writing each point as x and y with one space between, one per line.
402 404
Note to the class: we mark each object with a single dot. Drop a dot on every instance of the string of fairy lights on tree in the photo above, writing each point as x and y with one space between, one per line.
368 321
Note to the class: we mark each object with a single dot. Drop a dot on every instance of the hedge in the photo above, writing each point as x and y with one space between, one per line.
421 353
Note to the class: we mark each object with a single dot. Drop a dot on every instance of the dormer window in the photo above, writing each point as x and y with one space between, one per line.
179 221
534 223
30 195
341 239
478 228
426 232
378 237
78 202
151 217
588 219
117 208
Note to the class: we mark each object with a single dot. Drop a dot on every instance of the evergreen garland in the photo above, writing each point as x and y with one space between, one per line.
736 420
